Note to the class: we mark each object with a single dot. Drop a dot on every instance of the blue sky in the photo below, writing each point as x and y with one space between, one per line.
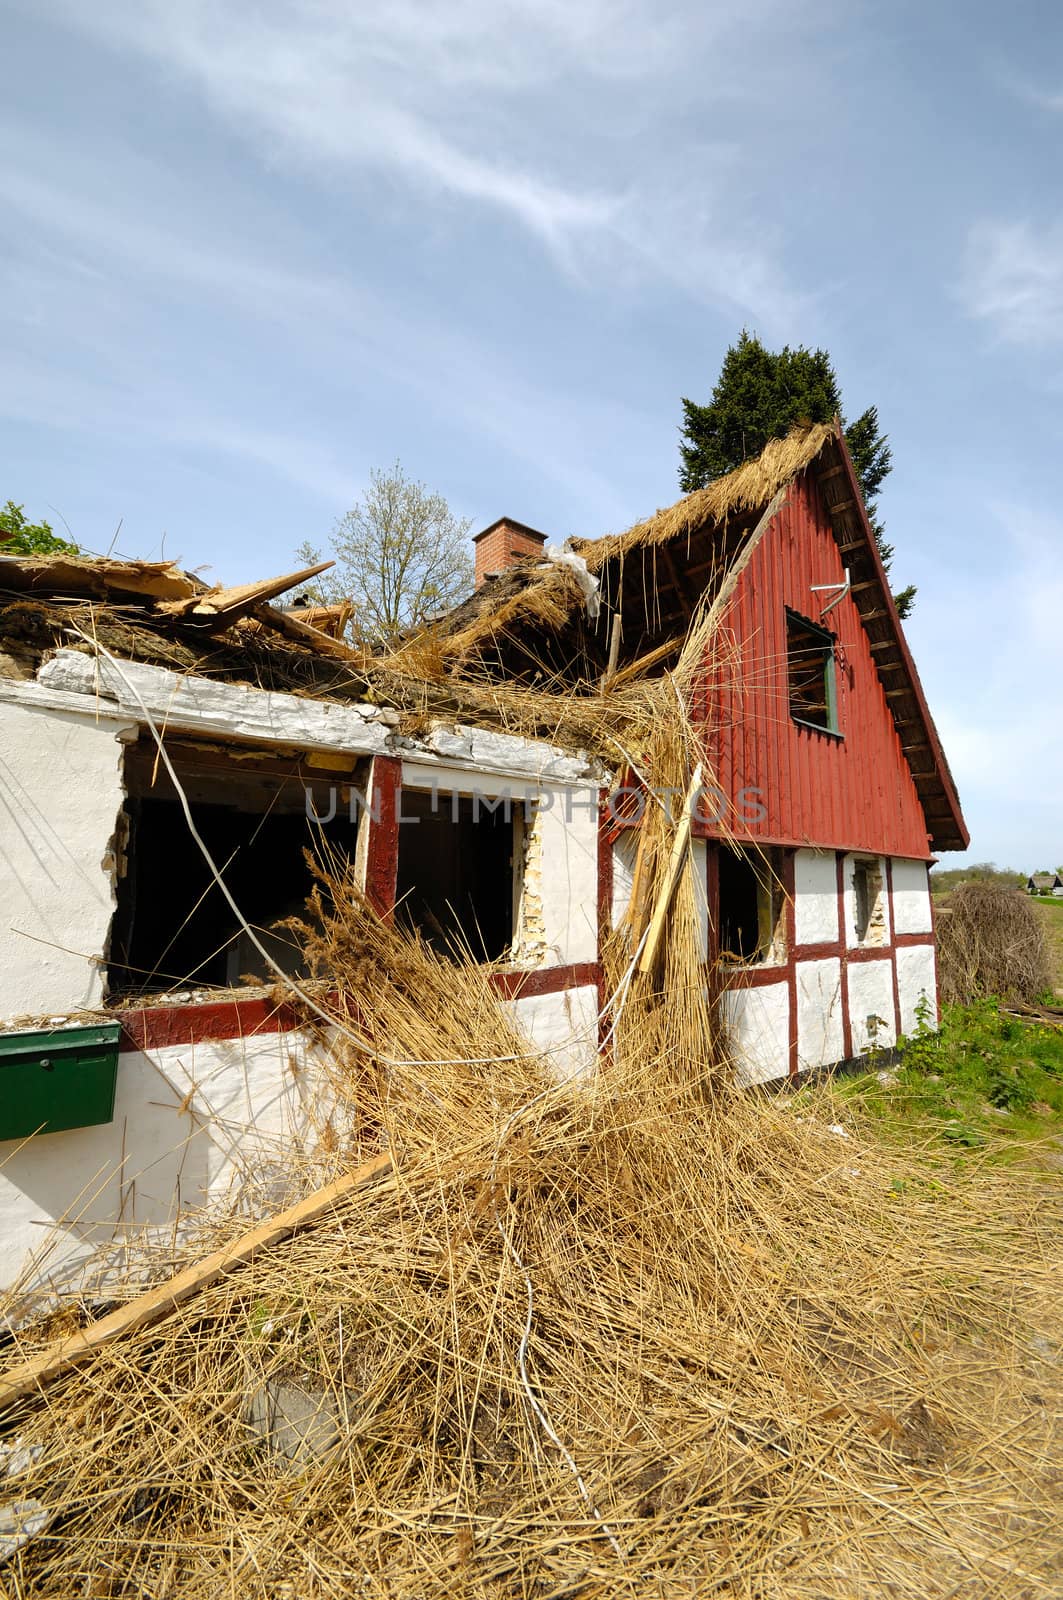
252 250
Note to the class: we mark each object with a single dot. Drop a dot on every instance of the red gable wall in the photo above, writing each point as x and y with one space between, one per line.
853 793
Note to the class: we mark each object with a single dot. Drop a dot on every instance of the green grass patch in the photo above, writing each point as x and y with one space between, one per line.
985 1082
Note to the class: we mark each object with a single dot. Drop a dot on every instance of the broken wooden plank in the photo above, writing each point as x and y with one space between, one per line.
288 623
224 605
643 663
157 1304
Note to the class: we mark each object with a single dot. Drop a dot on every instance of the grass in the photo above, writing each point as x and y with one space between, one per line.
986 1083
1050 911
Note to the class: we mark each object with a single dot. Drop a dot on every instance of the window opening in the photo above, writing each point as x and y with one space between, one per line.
455 873
750 906
173 927
811 674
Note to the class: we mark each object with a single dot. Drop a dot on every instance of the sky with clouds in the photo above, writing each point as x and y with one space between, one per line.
253 249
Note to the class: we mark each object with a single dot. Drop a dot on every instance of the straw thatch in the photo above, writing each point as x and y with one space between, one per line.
748 488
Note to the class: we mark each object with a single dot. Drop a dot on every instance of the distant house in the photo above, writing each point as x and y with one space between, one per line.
1044 883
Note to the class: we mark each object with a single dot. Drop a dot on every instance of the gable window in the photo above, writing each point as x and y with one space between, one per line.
173 928
811 674
456 872
750 909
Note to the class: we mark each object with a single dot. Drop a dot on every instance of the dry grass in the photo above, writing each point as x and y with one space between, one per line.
991 942
782 1362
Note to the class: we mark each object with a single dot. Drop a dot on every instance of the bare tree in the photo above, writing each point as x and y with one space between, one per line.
401 555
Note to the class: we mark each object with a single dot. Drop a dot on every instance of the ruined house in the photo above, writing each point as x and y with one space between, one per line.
156 735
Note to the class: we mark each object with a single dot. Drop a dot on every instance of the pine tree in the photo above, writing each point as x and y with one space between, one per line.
759 395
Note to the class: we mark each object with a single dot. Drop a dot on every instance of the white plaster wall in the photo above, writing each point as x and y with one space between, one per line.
565 1027
192 1124
758 1025
60 795
567 824
916 979
879 933
820 1039
625 849
911 897
870 985
815 897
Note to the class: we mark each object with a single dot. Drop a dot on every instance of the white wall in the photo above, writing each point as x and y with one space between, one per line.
815 897
758 1026
870 985
565 1027
916 981
625 850
820 1040
192 1123
911 896
60 796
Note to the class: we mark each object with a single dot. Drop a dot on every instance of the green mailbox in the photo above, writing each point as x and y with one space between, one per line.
56 1080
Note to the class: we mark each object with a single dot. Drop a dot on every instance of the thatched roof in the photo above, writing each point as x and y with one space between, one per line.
749 487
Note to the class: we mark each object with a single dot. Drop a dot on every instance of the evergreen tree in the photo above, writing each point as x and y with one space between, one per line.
759 395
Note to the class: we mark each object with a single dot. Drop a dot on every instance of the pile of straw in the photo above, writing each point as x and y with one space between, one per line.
637 1335
782 1362
991 942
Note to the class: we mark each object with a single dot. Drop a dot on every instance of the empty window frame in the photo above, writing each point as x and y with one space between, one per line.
750 905
456 872
173 927
869 907
811 674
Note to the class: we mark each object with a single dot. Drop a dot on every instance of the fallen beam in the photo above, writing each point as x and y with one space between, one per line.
32 1375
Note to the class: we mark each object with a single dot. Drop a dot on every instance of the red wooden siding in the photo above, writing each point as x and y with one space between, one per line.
849 793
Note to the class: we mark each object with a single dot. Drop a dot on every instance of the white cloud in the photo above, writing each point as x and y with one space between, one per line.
562 116
1013 280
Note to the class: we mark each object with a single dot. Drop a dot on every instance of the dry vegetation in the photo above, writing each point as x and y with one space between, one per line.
991 942
641 1335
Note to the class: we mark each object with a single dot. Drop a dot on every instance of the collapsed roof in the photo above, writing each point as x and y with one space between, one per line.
530 627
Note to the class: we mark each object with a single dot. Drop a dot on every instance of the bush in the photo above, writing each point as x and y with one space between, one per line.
990 942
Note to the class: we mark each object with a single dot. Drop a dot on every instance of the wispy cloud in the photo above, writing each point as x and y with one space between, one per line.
530 109
1012 279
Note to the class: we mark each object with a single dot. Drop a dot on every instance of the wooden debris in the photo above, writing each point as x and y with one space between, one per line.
31 1376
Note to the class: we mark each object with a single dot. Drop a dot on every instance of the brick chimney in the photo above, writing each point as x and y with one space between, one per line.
504 542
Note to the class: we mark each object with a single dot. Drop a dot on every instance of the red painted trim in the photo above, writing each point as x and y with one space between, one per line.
869 952
757 977
819 952
903 940
382 818
154 1027
706 830
546 980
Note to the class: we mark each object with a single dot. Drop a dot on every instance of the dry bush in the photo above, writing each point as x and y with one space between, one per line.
991 942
